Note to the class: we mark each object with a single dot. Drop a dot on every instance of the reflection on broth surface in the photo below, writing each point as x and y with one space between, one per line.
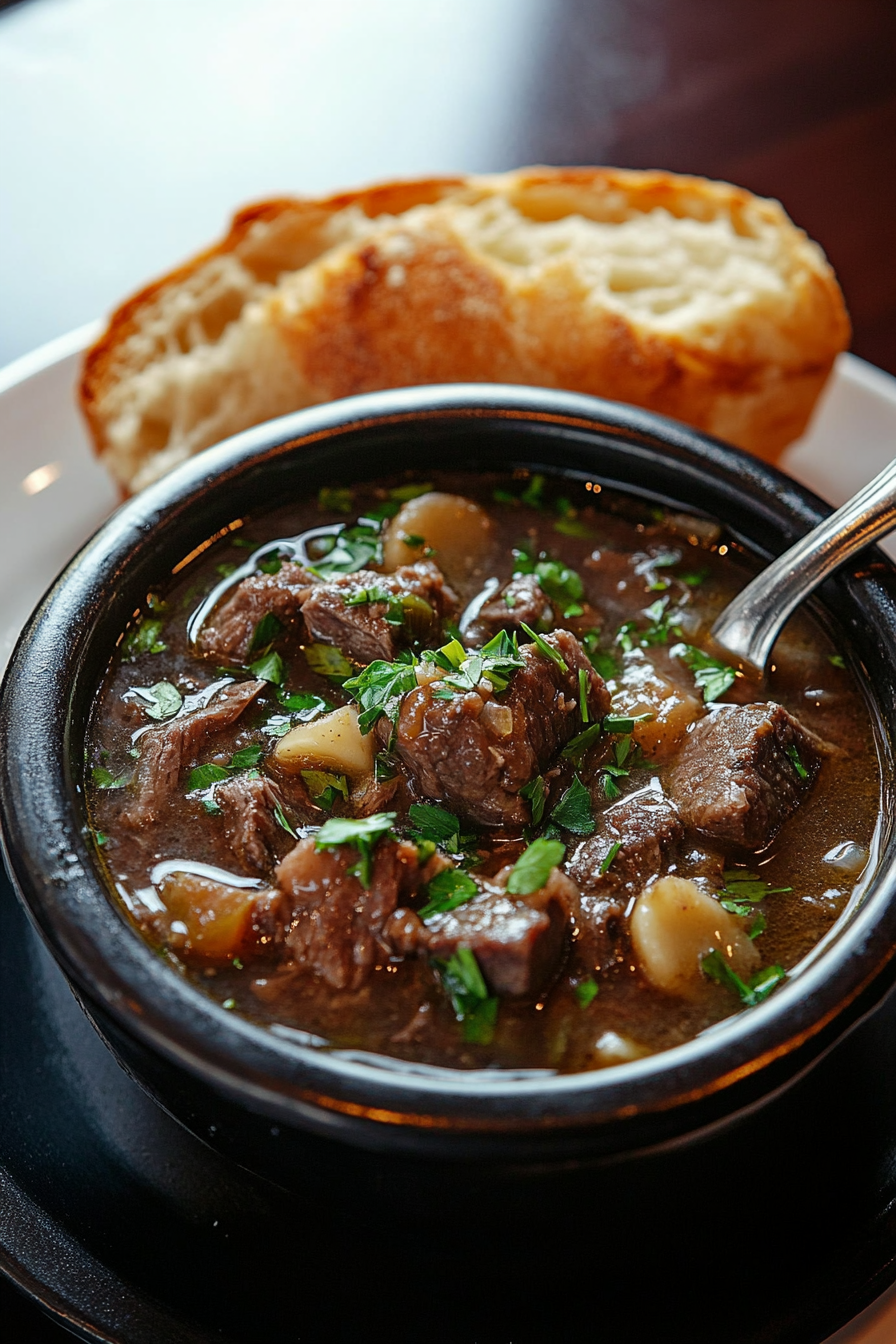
450 776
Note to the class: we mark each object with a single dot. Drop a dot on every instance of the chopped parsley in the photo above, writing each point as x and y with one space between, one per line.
271 564
413 490
563 585
475 1008
743 890
836 660
283 821
104 779
143 638
385 767
751 992
161 701
100 839
246 757
585 991
379 689
662 623
607 861
696 578
583 695
352 549
545 648
430 822
535 793
573 812
304 705
325 788
328 662
270 667
265 632
533 868
413 540
363 833
205 776
447 891
495 662
625 723
794 758
712 677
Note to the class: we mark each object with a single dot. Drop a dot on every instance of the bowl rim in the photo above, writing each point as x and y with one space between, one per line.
336 1091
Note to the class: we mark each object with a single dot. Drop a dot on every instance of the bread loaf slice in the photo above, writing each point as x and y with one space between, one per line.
685 296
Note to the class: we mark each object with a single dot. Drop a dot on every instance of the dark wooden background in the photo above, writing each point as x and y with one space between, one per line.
792 98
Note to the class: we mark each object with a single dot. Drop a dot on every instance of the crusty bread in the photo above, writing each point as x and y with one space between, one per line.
689 297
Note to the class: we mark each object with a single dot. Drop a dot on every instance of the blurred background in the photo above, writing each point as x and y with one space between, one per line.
130 129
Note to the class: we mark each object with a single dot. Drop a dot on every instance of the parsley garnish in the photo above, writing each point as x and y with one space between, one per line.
585 991
583 695
430 822
364 833
265 632
379 689
329 662
743 890
610 855
533 868
794 757
100 839
836 660
573 811
694 580
463 982
413 540
544 647
757 988
205 775
161 701
410 491
337 499
269 668
352 549
246 757
144 638
325 788
712 677
271 564
385 767
619 768
447 891
625 723
304 705
563 585
104 779
283 821
535 793
662 623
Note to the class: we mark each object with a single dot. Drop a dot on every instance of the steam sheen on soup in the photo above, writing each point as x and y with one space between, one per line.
443 769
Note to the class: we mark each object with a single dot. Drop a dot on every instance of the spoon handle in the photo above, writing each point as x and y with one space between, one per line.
749 626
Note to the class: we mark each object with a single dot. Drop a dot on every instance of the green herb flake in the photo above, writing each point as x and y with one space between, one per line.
204 776
325 788
246 757
624 636
225 569
303 705
625 723
573 527
609 857
447 891
269 668
585 991
354 548
583 696
577 747
662 623
534 491
604 664
410 491
751 992
711 676
104 779
229 1004
574 811
143 638
743 890
100 839
334 499
161 701
213 808
328 662
794 757
533 868
695 579
379 689
758 926
431 822
836 660
413 540
363 833
544 648
271 564
535 793
475 1008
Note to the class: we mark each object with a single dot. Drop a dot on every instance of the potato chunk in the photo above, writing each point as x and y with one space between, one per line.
207 921
674 924
332 742
641 690
456 529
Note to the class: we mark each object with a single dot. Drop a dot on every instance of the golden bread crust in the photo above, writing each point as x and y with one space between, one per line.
688 297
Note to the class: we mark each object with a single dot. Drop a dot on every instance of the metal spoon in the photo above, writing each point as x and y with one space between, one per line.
749 626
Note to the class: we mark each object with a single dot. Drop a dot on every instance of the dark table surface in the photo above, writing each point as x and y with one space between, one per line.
791 98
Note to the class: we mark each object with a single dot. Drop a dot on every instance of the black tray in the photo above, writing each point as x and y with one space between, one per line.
126 1228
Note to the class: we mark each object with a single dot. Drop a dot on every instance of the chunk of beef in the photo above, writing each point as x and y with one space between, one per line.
337 612
475 752
336 924
518 941
647 828
521 601
229 632
165 751
248 803
743 771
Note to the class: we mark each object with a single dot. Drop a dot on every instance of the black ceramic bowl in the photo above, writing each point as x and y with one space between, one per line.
272 1102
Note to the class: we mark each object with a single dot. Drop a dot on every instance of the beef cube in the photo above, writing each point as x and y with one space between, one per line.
248 803
517 940
743 771
336 927
338 613
165 751
647 828
228 634
522 601
475 752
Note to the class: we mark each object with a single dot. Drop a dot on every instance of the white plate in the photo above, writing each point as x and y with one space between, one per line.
53 494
